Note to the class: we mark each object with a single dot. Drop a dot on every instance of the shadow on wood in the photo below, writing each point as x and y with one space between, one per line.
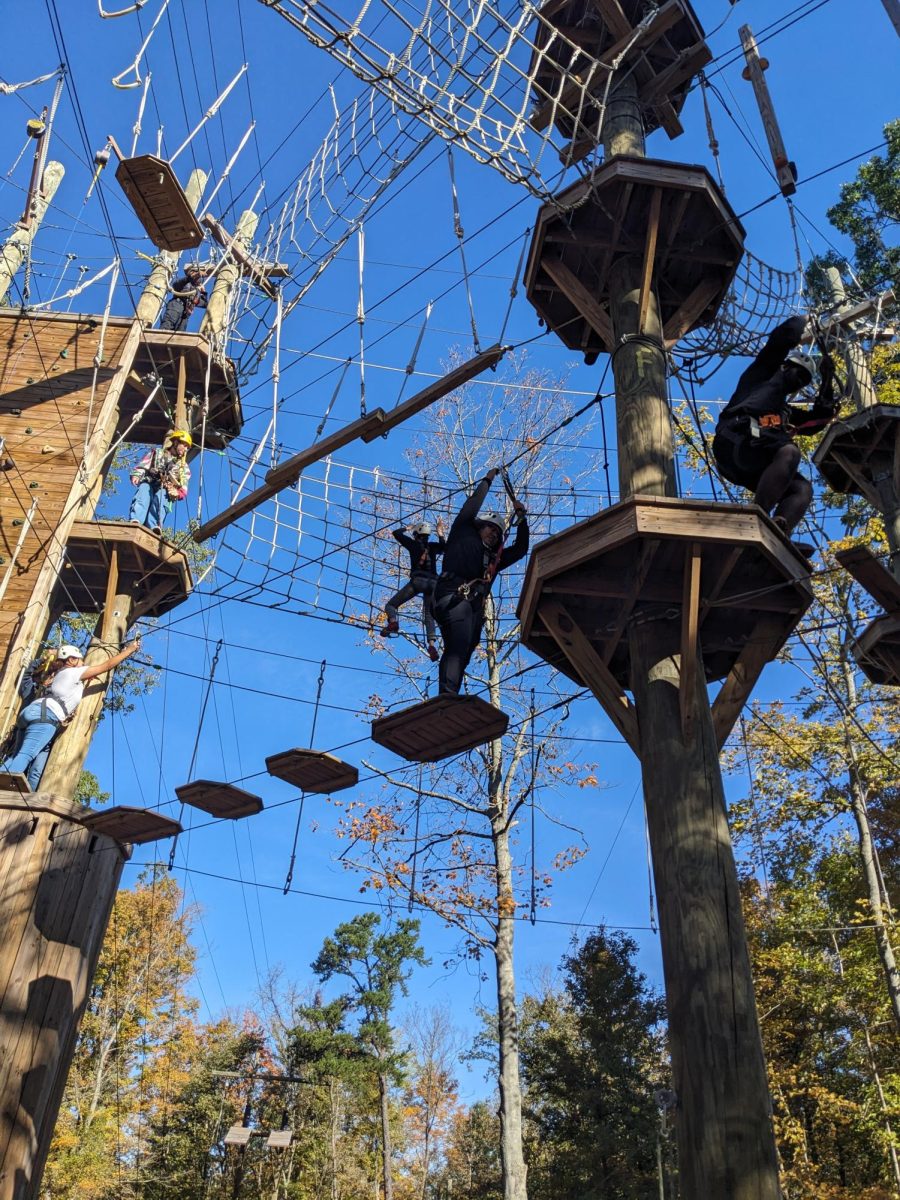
159 201
219 799
439 727
312 771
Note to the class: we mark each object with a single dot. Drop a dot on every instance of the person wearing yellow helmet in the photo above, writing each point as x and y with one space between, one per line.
160 478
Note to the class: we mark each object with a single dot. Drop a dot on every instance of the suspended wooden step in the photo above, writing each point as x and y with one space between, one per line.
312 771
569 86
724 571
133 825
219 799
14 782
157 197
871 574
670 216
877 651
238 1135
279 1139
858 451
439 728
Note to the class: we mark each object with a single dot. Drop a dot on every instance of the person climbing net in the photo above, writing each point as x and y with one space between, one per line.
423 575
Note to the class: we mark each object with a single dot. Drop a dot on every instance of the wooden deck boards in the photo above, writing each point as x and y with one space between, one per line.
312 771
439 728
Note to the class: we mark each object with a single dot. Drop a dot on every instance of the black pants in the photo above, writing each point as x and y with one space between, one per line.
420 584
461 624
176 315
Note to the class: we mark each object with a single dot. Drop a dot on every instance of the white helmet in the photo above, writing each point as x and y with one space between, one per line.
800 358
65 652
489 517
423 528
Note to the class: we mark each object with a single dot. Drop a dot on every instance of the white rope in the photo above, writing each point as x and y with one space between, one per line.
227 171
276 372
460 241
210 112
361 321
8 89
136 128
135 66
75 291
122 12
413 358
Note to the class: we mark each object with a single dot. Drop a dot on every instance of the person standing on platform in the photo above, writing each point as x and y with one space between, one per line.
161 478
41 720
423 556
473 557
188 293
754 442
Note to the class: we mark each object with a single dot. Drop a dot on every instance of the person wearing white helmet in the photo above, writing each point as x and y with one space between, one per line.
160 478
474 556
40 721
423 556
754 441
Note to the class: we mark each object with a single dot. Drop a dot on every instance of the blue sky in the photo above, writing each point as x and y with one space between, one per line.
832 75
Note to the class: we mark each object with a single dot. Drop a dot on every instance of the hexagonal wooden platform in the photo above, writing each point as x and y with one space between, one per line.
723 571
130 825
671 216
576 40
440 727
154 571
858 449
877 651
219 799
312 771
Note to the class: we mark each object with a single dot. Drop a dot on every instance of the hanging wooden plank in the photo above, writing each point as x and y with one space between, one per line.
159 201
219 799
877 651
440 727
14 782
873 576
279 1139
238 1135
485 360
312 771
126 824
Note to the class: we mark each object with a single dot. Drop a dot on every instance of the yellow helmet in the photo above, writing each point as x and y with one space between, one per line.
180 435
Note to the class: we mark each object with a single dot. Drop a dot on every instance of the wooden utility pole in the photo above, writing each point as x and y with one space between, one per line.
157 286
213 324
859 376
726 1141
19 242
785 171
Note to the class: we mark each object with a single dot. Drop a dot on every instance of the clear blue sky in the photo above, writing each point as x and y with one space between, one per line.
832 74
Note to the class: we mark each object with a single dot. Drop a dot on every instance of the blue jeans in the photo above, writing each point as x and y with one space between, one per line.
37 733
150 505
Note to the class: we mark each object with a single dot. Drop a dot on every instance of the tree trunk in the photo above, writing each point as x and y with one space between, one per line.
332 1088
386 1150
512 1158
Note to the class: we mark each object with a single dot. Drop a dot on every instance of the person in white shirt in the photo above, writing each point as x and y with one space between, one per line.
41 720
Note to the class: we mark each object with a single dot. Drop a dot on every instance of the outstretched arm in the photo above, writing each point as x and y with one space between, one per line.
406 542
470 509
519 548
101 668
781 341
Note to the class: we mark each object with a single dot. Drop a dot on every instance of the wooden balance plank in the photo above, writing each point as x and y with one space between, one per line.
238 1135
289 472
440 727
873 576
219 799
486 359
279 1139
159 201
127 824
312 771
877 651
14 782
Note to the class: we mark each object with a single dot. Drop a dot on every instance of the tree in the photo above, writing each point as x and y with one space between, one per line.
868 212
430 1102
377 966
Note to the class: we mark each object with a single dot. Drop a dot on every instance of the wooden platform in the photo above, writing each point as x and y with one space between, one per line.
857 450
157 197
12 781
671 217
154 571
439 727
130 825
576 40
279 1139
238 1135
734 584
159 355
877 651
871 574
219 799
312 771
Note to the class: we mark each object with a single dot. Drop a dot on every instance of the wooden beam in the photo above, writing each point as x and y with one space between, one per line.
686 65
112 585
181 420
690 624
256 271
649 256
680 322
873 576
850 314
613 16
575 291
648 553
591 669
759 649
485 360
863 482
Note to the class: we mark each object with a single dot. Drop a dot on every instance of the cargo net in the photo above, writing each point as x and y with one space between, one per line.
472 74
760 298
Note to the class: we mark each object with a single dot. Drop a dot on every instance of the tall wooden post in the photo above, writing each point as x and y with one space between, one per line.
156 288
19 242
723 1117
213 324
785 170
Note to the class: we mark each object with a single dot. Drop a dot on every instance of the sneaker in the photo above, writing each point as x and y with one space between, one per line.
391 626
157 529
433 652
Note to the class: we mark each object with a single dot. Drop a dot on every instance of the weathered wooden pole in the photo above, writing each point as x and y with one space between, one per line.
156 288
726 1142
213 324
784 169
19 242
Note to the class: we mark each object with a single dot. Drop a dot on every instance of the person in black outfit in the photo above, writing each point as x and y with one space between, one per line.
754 441
423 556
188 293
473 557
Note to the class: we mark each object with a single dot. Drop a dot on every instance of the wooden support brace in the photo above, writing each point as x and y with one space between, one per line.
112 587
690 624
436 391
592 670
181 421
256 271
145 390
679 324
648 553
870 574
649 257
760 648
575 291
687 64
865 485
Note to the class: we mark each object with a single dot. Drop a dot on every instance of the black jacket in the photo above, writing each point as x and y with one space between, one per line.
423 556
466 557
762 390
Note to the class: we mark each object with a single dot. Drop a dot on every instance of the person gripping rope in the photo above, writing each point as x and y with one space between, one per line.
754 441
188 293
423 556
160 478
473 557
